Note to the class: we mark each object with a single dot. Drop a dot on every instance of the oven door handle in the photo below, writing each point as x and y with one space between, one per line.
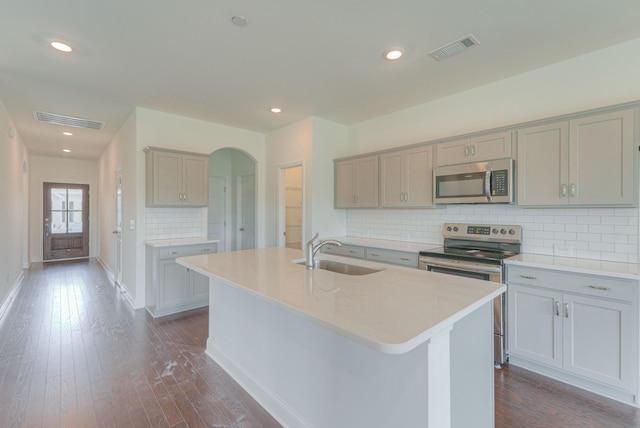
461 267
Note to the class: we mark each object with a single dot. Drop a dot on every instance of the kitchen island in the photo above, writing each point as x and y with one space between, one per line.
398 347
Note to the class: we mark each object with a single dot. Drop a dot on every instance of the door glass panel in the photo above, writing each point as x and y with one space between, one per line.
66 210
75 210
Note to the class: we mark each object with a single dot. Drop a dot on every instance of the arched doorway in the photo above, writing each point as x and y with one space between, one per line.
232 199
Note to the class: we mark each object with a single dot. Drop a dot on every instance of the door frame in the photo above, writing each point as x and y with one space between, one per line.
46 222
240 180
281 198
118 232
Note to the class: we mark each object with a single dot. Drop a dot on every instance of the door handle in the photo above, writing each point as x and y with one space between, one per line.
241 229
115 232
563 190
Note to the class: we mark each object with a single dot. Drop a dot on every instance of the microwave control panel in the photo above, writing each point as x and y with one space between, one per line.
500 182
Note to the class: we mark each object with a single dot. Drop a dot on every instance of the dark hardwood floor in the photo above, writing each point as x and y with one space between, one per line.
74 354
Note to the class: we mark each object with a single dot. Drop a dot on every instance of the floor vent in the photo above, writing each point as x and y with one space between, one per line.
454 48
59 119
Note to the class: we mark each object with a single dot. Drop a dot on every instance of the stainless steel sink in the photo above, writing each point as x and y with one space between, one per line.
343 268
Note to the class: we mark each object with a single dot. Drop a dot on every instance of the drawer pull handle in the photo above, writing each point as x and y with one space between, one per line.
528 277
595 287
404 258
172 253
352 251
375 255
206 250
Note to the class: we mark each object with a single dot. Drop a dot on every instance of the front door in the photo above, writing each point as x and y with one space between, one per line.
66 221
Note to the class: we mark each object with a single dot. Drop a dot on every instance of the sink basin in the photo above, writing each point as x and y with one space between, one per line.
343 268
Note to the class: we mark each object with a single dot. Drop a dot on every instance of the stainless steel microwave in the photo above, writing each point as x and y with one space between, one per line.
490 182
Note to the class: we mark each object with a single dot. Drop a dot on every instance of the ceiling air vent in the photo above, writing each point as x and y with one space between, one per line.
454 48
59 119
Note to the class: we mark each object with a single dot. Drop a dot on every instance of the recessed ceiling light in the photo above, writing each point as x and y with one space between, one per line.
393 54
62 47
276 110
67 133
66 150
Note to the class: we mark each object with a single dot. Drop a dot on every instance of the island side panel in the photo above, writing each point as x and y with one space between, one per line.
322 378
472 370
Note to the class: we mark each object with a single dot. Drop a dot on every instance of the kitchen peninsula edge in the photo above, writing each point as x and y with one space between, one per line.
317 348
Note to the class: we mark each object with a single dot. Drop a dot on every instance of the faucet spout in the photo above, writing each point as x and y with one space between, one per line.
312 250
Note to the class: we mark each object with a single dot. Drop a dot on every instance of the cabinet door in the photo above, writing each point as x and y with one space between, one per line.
453 152
367 182
195 173
598 339
419 177
487 147
543 165
167 178
344 184
601 153
174 289
199 285
392 179
535 324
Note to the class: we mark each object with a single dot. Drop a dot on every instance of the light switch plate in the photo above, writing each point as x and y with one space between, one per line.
132 224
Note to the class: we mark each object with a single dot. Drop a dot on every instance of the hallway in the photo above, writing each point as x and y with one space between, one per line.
74 354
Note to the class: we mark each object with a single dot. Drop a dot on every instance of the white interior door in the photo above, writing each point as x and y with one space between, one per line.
245 238
118 232
217 220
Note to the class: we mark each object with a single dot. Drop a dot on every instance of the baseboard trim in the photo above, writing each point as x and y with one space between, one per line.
12 294
122 287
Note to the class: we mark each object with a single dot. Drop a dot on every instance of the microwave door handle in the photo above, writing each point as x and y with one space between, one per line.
487 185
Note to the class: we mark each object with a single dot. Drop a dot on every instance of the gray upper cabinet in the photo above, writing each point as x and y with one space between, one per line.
588 161
474 149
176 178
356 182
406 178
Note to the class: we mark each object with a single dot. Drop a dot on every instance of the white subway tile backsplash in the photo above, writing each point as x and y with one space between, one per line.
167 223
595 233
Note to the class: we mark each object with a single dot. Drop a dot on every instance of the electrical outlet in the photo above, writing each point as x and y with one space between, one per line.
563 250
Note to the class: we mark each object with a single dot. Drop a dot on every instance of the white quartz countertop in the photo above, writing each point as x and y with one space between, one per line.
569 264
179 241
393 310
386 244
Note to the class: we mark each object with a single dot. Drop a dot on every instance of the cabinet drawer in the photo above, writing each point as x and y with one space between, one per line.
591 285
186 250
345 250
391 256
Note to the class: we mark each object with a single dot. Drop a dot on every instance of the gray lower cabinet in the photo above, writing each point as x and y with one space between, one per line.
578 328
170 287
396 257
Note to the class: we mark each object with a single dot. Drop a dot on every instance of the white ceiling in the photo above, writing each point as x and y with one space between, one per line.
321 58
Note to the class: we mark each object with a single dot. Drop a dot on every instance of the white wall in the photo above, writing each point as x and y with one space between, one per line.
14 208
598 79
60 170
314 143
119 158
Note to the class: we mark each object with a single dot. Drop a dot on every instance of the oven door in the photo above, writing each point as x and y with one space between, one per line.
491 273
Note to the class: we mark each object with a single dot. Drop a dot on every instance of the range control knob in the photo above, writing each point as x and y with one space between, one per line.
455 228
495 231
503 231
448 228
512 232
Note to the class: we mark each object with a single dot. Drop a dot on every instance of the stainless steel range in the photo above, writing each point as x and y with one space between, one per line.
477 251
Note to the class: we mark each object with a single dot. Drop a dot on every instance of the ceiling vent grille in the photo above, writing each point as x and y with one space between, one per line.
59 119
454 48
